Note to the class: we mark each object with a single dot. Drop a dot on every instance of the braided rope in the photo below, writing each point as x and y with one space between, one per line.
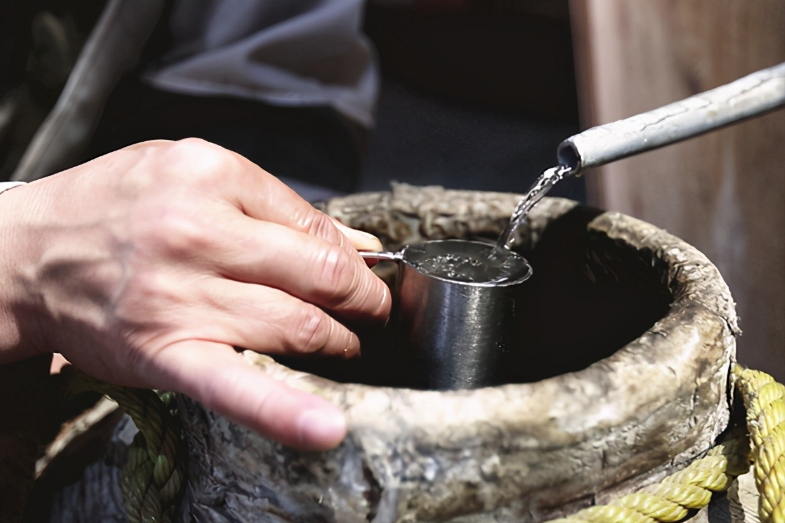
764 400
673 498
153 478
692 488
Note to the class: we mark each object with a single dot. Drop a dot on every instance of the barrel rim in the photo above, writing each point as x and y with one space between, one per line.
628 403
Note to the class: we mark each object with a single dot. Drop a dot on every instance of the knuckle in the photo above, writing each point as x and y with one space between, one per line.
316 223
147 287
198 160
176 233
335 275
151 293
312 331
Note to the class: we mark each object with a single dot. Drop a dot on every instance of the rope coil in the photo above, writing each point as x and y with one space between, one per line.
764 400
153 479
763 444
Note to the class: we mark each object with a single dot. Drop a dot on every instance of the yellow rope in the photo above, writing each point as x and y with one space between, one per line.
154 475
764 400
692 488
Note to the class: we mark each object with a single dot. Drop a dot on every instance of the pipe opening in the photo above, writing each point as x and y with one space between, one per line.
568 156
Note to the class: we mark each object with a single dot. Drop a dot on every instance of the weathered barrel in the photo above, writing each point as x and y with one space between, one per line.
620 376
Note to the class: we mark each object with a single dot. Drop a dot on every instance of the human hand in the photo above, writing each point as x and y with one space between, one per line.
147 266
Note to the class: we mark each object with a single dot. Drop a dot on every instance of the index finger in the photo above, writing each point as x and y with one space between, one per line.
262 196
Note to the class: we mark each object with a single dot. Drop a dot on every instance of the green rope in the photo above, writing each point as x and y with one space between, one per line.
153 478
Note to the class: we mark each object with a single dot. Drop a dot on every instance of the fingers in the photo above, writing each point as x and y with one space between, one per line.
360 240
217 377
253 191
267 320
304 266
262 196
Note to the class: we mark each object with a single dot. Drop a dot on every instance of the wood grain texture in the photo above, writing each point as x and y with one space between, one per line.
723 192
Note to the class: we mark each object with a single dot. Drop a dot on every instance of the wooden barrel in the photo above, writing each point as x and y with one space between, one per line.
621 375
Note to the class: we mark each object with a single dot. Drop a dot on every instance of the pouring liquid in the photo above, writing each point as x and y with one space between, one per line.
540 188
499 265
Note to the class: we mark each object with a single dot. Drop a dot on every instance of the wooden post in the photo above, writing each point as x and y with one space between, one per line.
723 192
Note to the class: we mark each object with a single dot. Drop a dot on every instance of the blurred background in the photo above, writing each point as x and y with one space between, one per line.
475 95
340 96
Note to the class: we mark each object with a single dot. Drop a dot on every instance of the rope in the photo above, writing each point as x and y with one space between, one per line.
764 400
692 488
153 478
152 481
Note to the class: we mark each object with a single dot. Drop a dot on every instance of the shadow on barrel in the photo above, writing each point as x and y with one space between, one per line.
588 297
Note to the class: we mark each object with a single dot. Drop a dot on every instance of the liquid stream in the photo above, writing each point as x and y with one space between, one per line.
500 265
541 186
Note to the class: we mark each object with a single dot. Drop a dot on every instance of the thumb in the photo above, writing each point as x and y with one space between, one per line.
220 379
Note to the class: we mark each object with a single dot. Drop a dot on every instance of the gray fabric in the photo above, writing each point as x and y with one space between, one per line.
308 191
283 52
113 48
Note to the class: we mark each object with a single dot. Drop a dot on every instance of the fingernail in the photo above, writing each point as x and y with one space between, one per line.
360 239
359 233
321 429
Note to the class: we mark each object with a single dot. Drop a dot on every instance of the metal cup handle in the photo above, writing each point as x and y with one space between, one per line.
384 255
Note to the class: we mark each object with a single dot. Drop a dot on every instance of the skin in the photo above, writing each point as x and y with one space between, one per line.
147 266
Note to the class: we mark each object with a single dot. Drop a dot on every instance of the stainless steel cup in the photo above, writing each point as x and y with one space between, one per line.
454 331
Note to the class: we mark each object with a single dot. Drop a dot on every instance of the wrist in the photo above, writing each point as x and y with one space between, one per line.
16 207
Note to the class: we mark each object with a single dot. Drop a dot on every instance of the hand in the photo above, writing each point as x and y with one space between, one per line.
147 266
